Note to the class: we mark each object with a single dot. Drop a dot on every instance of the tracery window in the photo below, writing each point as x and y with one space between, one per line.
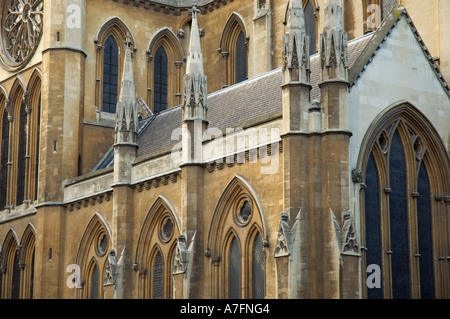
110 75
401 214
156 251
21 31
236 236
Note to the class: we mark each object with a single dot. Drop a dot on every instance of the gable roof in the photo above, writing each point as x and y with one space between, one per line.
380 35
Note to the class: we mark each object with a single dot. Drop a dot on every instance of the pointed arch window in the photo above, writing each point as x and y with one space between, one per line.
158 276
402 231
22 155
110 75
310 26
38 135
4 160
161 80
241 58
234 270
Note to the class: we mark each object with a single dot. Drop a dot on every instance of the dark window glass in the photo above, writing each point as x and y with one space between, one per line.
4 160
32 277
94 283
15 293
310 26
258 268
110 74
161 79
158 277
425 235
373 223
234 270
21 157
241 58
38 141
398 213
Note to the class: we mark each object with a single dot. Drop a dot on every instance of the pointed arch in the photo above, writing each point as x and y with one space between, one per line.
399 146
239 213
9 263
234 44
114 28
160 230
94 244
164 39
27 256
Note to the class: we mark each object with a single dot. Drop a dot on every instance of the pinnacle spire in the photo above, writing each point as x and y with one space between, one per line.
333 15
333 43
126 109
195 58
195 90
296 45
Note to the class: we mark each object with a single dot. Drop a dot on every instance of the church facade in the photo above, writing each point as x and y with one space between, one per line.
214 149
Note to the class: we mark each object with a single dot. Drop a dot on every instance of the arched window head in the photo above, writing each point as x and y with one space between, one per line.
110 75
161 80
241 58
310 26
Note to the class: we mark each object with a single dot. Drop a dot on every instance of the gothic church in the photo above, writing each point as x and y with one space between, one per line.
215 149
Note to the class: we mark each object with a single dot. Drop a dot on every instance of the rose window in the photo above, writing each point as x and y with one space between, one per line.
21 29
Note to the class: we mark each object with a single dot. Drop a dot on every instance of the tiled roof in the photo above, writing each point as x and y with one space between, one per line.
241 105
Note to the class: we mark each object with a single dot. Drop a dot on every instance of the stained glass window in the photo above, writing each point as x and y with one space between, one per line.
21 156
373 223
157 277
161 79
425 235
258 268
241 58
110 75
234 270
310 26
4 160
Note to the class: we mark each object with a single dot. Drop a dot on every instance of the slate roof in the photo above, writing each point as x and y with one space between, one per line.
241 105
